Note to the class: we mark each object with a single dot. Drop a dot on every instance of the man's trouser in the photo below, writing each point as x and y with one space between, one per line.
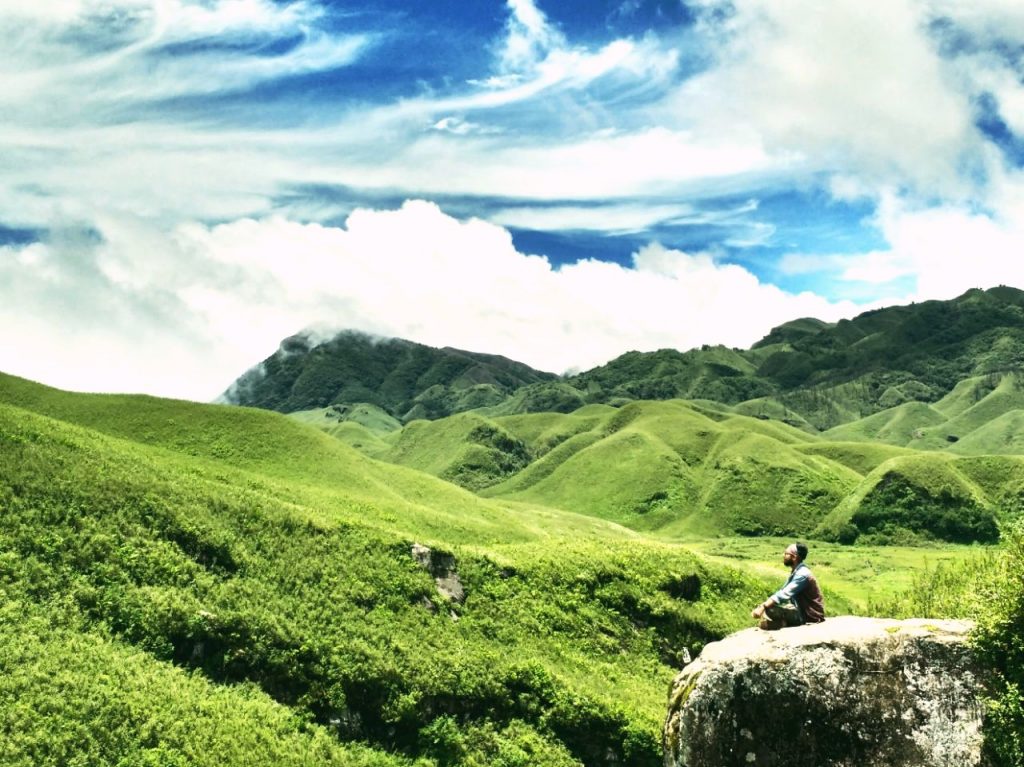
780 617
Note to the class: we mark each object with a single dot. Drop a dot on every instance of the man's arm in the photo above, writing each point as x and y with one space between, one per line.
793 586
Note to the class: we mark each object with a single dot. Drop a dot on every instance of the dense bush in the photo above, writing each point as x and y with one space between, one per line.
988 589
1000 642
897 510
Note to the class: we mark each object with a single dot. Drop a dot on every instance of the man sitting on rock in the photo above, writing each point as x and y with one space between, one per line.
799 600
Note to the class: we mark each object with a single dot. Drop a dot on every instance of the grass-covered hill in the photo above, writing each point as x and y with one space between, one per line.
682 469
187 584
806 373
978 417
405 379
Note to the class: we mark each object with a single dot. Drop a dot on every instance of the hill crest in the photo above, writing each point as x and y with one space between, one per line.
806 372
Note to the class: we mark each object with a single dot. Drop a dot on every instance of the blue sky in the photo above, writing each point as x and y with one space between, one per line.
185 182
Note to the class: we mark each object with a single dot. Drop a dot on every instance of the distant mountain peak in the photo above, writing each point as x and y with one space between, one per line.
404 378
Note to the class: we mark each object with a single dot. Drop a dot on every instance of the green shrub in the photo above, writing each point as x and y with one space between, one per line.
990 590
999 639
897 510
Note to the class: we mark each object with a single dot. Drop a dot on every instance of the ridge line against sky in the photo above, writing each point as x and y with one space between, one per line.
185 183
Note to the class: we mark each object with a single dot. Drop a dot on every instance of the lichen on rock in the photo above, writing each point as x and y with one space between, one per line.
848 692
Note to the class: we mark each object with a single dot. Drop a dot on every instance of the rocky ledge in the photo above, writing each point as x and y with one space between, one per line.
850 691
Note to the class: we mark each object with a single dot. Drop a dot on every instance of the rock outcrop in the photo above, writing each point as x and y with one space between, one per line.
441 565
849 692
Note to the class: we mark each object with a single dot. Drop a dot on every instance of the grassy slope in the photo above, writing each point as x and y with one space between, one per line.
250 549
978 417
1003 435
652 465
358 436
901 425
861 457
682 469
1007 397
74 695
371 417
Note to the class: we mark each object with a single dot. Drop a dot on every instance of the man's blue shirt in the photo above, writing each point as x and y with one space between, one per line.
796 583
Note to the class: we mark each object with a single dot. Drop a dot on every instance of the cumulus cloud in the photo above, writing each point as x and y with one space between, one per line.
183 315
951 248
885 102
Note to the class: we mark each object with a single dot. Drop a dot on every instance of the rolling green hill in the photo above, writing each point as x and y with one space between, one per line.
189 584
649 465
204 584
921 494
978 417
679 469
901 425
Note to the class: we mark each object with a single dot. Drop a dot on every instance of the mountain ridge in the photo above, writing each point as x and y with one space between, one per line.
809 373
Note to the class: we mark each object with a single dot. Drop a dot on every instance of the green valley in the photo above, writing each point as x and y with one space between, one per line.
440 558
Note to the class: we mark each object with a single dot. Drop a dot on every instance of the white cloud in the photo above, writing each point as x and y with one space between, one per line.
986 19
943 249
189 20
951 248
530 37
853 88
86 129
876 267
183 315
600 166
111 57
460 127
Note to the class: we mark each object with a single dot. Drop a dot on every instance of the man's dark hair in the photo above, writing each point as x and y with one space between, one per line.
801 551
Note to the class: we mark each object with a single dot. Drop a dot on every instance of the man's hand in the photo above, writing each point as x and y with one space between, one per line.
758 611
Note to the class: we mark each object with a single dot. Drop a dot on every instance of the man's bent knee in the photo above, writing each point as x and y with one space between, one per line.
779 617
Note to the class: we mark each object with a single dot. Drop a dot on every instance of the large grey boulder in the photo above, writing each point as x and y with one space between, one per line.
849 692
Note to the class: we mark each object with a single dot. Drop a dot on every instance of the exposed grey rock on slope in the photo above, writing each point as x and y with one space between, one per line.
442 566
848 692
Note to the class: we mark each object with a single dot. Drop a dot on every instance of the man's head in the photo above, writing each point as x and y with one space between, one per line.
794 554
